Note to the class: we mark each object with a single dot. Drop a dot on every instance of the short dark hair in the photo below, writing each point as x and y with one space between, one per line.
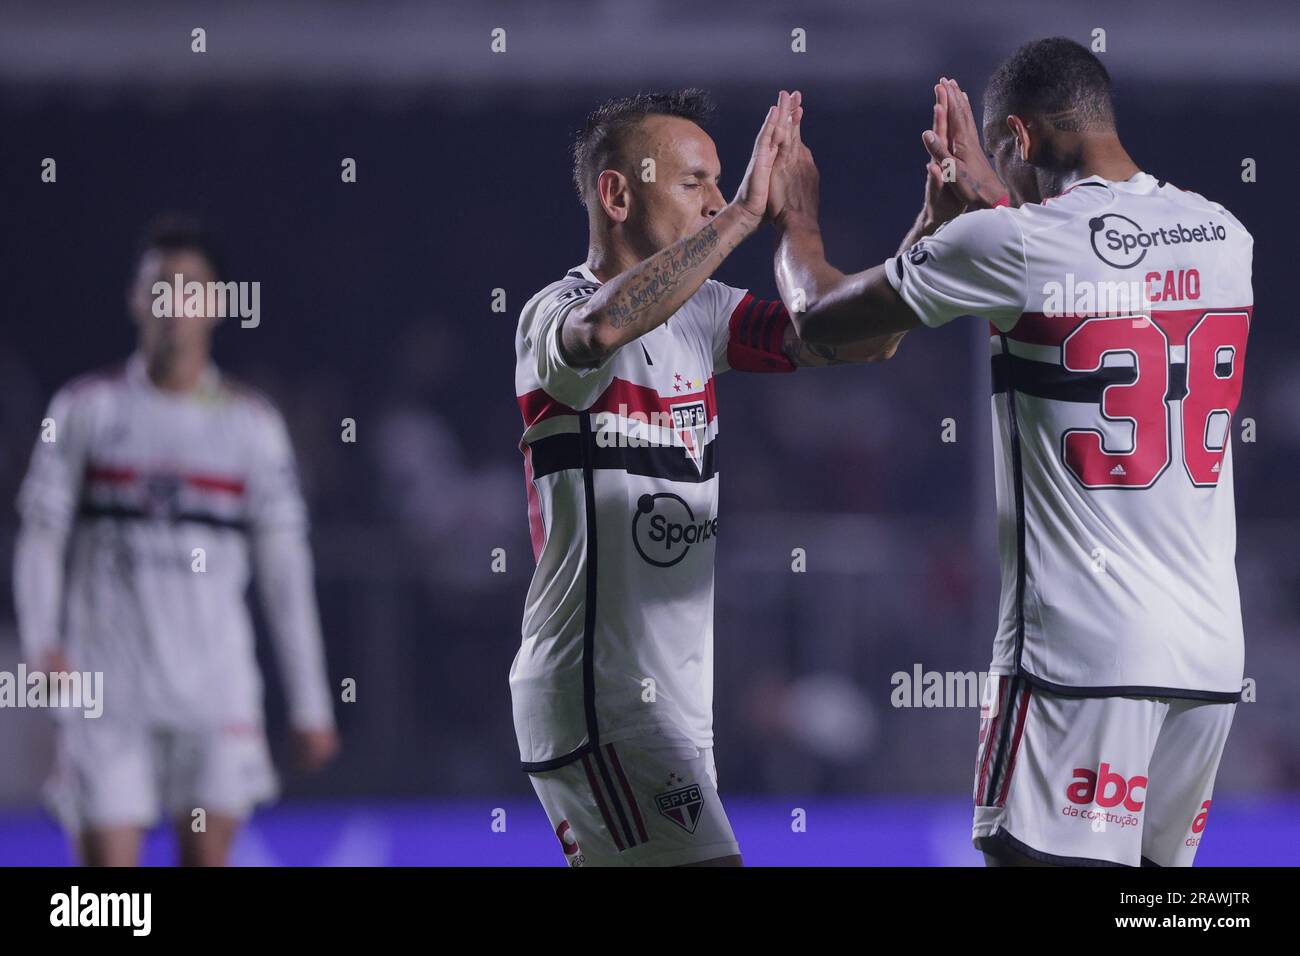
601 137
177 232
1057 78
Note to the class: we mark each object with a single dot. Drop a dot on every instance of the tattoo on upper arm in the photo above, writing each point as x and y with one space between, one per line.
645 291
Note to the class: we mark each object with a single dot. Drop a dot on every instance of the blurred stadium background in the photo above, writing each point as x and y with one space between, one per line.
376 306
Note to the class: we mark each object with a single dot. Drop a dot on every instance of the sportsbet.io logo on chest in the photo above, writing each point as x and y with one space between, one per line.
664 529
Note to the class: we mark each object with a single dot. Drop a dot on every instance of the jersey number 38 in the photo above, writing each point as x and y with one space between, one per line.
1215 351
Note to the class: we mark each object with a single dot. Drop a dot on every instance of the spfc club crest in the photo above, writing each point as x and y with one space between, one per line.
162 494
691 423
682 806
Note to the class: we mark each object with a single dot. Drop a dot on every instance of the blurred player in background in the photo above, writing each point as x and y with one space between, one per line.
1119 307
163 481
615 363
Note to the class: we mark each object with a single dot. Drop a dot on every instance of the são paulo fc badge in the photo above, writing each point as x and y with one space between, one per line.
682 806
162 492
691 422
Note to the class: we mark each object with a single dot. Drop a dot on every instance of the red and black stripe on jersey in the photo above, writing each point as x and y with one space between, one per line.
560 452
124 493
1051 380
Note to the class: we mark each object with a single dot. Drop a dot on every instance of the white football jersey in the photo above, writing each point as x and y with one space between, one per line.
1119 313
159 498
622 475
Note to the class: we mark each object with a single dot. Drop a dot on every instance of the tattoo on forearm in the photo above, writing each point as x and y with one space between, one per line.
800 353
660 280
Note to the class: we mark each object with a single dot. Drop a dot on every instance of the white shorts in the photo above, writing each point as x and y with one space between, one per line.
113 774
645 801
1096 780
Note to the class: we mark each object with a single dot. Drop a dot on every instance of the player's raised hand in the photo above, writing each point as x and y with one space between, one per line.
958 166
753 192
788 141
795 180
942 201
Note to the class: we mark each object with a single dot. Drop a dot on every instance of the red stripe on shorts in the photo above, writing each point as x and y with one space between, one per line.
627 792
600 802
1015 747
989 744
